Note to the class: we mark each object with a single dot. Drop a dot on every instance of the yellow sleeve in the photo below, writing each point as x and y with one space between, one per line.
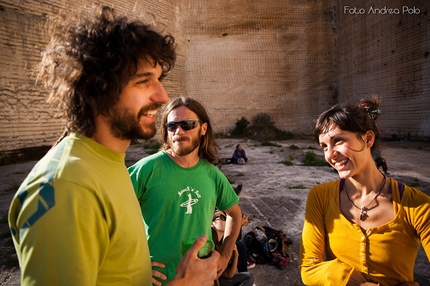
314 270
66 245
418 207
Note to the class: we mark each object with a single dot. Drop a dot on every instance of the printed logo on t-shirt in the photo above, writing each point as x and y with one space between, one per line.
44 191
192 197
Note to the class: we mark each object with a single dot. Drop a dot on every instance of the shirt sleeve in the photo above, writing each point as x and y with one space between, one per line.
314 269
134 173
66 245
418 208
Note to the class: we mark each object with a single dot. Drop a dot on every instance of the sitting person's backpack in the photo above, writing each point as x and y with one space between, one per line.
268 245
254 242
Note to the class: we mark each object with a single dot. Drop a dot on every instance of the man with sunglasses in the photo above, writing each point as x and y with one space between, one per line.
75 219
179 187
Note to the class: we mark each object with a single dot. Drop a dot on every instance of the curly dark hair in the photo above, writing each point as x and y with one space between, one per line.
357 118
208 146
91 57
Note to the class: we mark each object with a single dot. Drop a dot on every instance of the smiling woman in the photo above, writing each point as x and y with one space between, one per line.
363 206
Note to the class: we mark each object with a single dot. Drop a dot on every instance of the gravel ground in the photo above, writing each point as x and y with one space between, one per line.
274 194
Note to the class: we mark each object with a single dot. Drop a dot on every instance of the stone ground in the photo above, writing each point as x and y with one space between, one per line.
274 194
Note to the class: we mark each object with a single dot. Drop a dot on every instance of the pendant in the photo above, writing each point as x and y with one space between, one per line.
362 212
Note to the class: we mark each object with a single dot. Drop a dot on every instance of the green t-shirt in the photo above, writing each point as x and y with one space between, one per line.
75 219
177 204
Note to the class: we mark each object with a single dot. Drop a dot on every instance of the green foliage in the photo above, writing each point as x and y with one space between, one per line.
301 186
23 155
283 135
152 147
294 147
287 163
311 159
240 129
416 183
262 119
261 128
291 157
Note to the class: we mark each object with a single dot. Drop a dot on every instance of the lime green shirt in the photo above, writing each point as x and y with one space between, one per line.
75 219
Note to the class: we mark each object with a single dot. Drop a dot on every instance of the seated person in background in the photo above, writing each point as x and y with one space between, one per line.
243 264
380 160
232 274
239 156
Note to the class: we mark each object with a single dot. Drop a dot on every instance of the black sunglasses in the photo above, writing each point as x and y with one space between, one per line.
221 216
185 125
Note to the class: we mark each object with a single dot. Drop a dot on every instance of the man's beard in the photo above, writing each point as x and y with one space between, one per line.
124 125
185 150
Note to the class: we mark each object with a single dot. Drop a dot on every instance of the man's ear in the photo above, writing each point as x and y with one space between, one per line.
204 128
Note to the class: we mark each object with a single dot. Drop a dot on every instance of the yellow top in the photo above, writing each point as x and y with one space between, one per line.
333 248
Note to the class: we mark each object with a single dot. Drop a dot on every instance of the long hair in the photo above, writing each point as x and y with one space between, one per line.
208 146
351 117
91 57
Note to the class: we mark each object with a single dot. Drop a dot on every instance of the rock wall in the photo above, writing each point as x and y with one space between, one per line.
291 59
383 48
25 118
247 56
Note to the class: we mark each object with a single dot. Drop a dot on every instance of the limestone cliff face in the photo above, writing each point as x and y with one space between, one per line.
291 59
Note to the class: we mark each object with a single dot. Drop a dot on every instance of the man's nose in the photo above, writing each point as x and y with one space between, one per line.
160 95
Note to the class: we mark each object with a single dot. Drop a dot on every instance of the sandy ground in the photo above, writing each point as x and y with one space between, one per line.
274 194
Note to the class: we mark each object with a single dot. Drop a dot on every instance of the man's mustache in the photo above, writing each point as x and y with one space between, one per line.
180 138
151 107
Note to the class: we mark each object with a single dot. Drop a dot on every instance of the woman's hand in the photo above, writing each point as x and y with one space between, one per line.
358 280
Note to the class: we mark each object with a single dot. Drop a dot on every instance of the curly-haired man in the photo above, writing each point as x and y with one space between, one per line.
75 220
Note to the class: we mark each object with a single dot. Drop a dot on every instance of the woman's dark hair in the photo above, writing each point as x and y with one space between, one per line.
90 59
208 146
351 117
